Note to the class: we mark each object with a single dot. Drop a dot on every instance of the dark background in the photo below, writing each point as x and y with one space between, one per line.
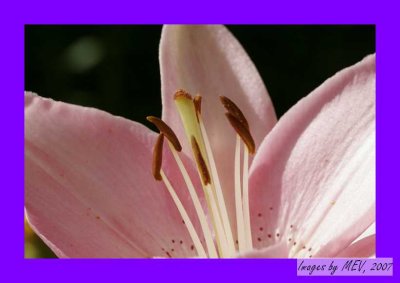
115 68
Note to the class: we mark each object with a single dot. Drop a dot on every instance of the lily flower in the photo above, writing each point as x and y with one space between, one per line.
223 178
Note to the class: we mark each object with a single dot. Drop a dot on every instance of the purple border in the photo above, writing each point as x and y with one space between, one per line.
14 16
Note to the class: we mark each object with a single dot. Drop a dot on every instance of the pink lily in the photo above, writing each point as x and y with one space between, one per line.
89 191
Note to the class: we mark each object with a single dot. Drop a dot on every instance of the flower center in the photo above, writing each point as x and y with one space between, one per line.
219 238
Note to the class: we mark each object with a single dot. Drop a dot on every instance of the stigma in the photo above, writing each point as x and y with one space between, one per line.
218 235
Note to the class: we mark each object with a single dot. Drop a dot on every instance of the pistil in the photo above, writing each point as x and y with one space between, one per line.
190 116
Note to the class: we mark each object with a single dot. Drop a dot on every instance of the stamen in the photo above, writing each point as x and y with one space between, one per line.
242 131
197 205
215 184
241 126
231 107
217 188
157 157
238 200
166 130
201 164
189 225
217 222
246 205
197 105
160 175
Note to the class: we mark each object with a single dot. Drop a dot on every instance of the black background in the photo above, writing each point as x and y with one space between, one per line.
124 79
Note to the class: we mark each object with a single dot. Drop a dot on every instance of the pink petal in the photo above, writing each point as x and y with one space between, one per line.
277 250
313 179
362 248
208 60
371 230
89 191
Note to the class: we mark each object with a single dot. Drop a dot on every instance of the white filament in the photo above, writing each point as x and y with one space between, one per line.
246 206
218 190
238 199
193 234
197 205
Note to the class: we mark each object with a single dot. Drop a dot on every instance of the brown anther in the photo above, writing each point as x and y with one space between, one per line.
242 131
231 107
157 157
197 104
166 130
201 164
181 93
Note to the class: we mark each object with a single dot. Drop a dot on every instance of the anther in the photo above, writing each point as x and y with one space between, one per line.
231 107
157 157
201 164
197 104
166 130
242 131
